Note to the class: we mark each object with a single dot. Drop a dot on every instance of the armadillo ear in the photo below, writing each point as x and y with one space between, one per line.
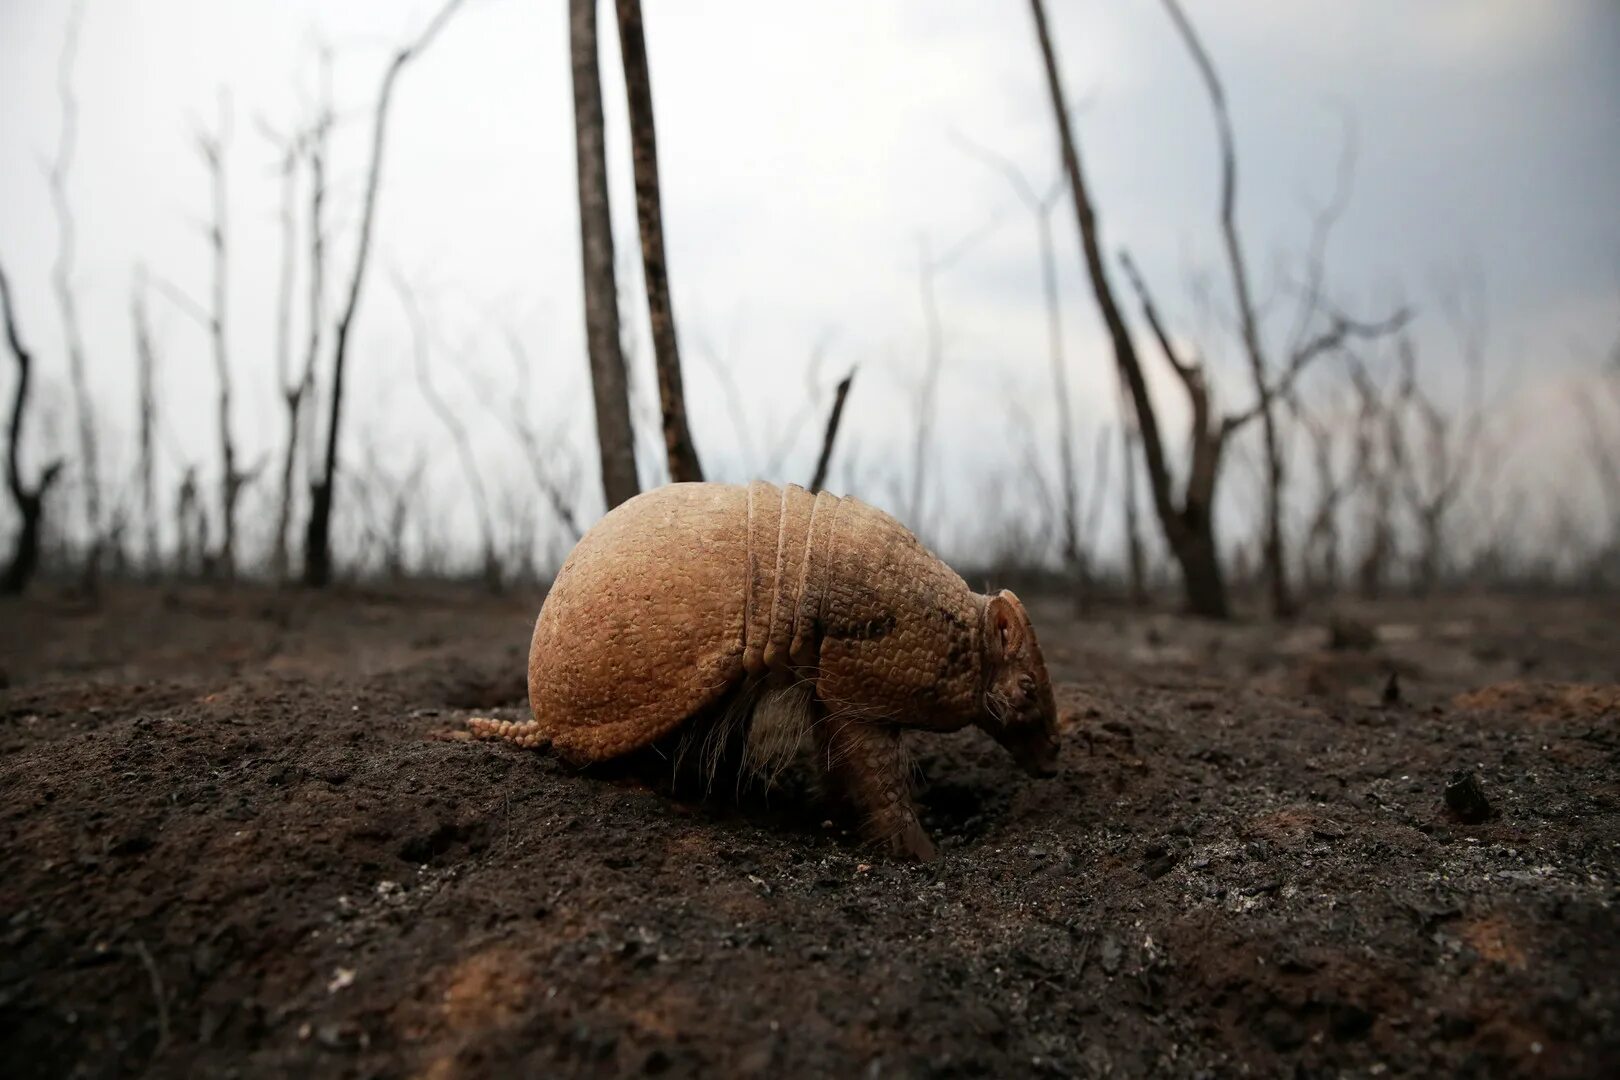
1006 629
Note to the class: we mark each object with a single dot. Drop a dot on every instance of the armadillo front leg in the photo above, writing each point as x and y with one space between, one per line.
867 765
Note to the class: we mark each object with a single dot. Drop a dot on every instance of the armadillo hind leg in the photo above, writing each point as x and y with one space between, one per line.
866 763
524 733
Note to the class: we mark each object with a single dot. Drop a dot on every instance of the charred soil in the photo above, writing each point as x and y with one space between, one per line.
244 832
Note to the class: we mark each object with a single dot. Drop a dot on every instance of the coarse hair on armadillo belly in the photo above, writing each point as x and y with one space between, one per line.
767 717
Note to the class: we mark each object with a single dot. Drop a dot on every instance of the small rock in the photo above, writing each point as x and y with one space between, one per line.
1110 953
1465 798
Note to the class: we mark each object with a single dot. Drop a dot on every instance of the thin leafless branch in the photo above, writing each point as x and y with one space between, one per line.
834 418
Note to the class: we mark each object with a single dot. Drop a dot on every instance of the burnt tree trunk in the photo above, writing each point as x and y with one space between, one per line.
614 435
297 395
1282 602
29 501
318 537
683 457
1190 535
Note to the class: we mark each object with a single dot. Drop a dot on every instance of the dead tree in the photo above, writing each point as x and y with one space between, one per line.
1188 522
191 520
146 405
457 430
292 389
28 499
834 417
296 394
610 384
318 536
1603 451
67 300
232 479
296 385
1189 528
927 388
1131 446
1377 458
1040 208
1041 524
1282 602
1320 555
678 446
1449 452
397 495
213 319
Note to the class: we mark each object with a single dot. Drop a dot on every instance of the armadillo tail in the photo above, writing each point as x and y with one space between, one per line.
524 733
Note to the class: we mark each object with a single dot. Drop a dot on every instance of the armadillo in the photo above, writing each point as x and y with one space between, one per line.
824 617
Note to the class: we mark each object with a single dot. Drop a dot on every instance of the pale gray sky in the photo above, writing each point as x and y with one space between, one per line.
807 158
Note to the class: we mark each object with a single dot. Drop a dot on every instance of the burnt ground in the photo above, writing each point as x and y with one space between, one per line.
242 833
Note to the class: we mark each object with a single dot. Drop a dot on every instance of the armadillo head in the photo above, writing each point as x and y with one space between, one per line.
1018 709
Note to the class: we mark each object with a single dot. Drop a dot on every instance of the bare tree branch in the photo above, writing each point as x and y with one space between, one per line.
1331 340
834 417
185 302
212 145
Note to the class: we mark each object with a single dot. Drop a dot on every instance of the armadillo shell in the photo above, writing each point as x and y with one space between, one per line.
677 595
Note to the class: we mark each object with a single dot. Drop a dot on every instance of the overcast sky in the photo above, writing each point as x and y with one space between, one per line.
809 162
